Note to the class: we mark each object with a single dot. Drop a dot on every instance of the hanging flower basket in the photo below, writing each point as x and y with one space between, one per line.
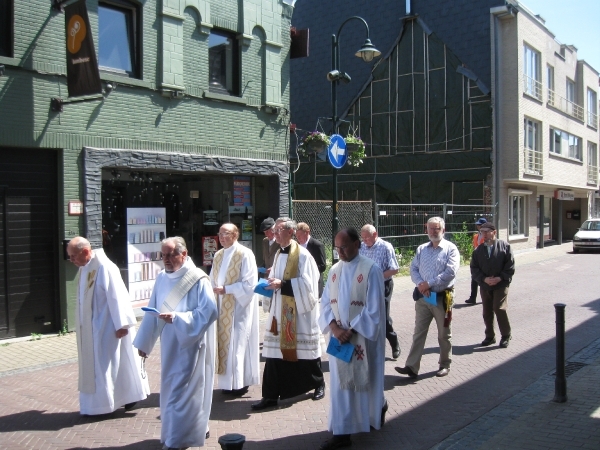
315 142
356 150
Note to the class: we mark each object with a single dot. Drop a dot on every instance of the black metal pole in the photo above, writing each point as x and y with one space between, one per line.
541 224
560 384
335 220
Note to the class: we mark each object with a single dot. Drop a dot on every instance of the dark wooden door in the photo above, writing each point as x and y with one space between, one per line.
28 242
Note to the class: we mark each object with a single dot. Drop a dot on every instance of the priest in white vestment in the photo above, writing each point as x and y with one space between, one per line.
352 310
233 277
291 344
186 326
111 374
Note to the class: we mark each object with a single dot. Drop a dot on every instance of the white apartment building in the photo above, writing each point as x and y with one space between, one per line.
545 104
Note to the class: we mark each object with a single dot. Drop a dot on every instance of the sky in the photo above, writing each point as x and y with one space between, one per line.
574 22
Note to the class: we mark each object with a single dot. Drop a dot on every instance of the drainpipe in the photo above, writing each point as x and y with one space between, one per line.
497 109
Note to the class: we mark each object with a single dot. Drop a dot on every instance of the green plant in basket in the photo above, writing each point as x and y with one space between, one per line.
356 150
314 142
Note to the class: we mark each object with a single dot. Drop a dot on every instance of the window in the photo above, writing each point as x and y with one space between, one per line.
592 165
570 90
6 28
119 38
565 144
223 60
531 75
592 108
550 82
516 215
532 146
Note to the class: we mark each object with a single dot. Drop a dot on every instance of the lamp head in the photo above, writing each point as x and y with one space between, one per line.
368 51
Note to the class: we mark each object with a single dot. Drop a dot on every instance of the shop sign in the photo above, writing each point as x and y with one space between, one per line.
83 77
560 194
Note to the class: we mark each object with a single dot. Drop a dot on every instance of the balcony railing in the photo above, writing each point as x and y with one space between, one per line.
566 106
592 174
532 87
534 161
592 120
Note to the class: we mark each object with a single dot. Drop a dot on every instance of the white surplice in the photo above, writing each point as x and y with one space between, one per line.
187 358
306 294
354 412
243 360
117 366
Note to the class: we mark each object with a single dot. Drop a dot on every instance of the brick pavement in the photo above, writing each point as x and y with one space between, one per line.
40 407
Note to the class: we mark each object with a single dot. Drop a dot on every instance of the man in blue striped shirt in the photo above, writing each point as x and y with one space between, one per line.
433 269
382 253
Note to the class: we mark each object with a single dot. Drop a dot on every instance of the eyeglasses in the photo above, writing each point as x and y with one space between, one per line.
280 230
169 255
225 233
433 229
342 248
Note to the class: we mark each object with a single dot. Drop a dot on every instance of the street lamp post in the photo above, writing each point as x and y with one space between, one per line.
367 52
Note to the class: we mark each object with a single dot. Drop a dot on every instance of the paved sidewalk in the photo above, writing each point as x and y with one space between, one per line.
493 399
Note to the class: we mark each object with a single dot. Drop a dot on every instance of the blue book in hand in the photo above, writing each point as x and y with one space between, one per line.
152 311
340 351
260 288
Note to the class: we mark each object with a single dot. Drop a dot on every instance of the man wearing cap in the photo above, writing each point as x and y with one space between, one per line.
493 266
269 245
477 240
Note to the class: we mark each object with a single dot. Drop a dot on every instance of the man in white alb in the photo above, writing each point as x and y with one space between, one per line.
352 311
233 277
186 326
291 345
110 372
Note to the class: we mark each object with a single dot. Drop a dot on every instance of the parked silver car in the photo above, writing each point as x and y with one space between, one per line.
588 236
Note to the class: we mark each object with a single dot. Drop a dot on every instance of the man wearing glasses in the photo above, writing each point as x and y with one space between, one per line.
186 326
233 277
291 345
493 266
433 270
352 311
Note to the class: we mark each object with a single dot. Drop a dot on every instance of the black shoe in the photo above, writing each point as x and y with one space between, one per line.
207 434
442 372
504 341
488 341
263 404
240 392
406 371
319 392
226 391
337 441
471 301
130 406
396 352
383 411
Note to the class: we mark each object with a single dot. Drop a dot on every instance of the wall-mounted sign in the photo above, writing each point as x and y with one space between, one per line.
560 194
75 208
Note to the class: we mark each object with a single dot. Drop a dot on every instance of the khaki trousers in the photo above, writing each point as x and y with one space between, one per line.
495 303
424 313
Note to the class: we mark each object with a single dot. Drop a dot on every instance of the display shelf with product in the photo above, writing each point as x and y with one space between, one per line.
146 228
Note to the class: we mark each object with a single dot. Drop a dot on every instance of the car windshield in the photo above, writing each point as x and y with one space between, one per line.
593 225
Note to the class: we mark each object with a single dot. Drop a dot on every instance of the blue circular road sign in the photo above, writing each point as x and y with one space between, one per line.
337 151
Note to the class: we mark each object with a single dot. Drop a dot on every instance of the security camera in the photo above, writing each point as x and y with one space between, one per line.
336 75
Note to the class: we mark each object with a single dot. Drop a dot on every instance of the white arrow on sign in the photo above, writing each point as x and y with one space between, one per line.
337 151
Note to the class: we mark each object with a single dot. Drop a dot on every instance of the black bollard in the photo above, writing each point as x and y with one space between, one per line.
560 384
232 441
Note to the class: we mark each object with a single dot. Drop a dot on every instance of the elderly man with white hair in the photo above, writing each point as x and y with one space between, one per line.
433 270
109 369
187 309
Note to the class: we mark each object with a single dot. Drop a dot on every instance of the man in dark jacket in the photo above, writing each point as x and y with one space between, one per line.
315 248
493 266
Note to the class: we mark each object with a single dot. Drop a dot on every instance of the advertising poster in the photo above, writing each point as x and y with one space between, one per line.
209 248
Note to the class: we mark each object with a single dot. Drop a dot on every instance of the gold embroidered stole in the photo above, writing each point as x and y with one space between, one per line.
289 312
355 374
84 327
226 305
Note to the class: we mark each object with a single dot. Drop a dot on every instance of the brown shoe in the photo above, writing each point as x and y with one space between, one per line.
406 371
